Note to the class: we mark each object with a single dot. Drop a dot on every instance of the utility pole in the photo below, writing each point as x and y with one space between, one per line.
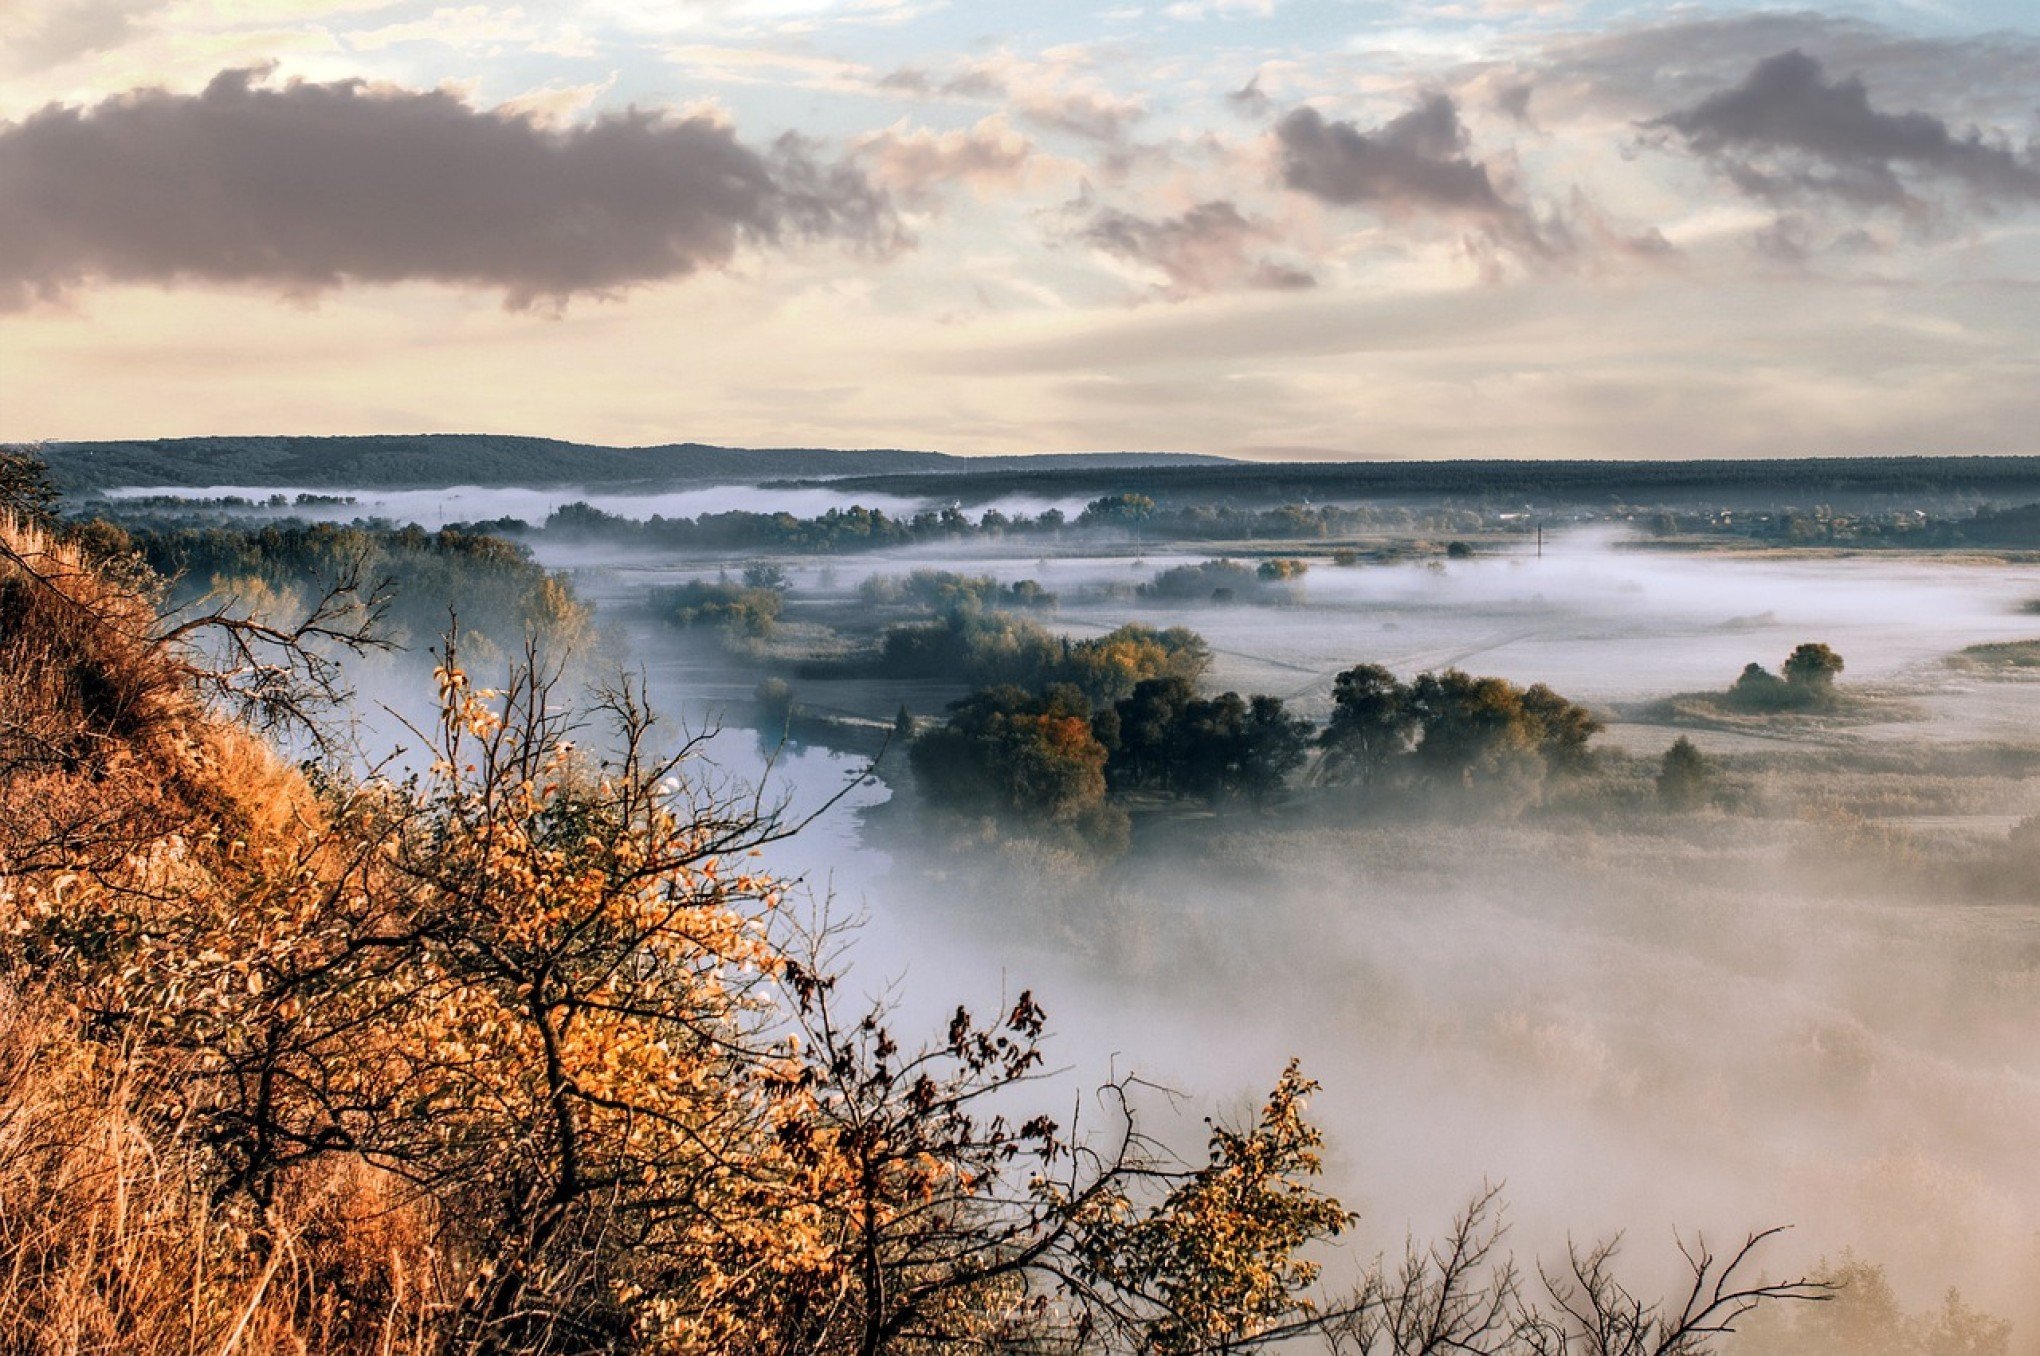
1540 541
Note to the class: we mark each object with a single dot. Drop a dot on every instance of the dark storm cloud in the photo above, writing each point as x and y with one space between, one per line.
1211 247
309 186
1417 164
1788 131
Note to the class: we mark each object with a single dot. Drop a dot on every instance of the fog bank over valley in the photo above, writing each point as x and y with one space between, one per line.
1808 1006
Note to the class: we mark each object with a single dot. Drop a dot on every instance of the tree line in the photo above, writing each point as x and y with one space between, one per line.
1064 758
859 528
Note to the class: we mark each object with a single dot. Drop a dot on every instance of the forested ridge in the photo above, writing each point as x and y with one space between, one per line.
438 459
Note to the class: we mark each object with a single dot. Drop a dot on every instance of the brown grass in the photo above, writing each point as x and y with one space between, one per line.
116 781
104 750
109 1241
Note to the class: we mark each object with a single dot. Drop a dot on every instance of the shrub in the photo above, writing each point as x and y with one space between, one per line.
1685 776
993 650
700 602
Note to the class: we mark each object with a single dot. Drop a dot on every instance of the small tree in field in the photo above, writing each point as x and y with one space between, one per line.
1685 776
1812 667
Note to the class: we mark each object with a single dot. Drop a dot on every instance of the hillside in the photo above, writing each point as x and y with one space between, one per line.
1731 481
410 461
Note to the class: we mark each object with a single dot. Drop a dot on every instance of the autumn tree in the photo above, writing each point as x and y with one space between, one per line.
1489 732
1217 1264
1033 758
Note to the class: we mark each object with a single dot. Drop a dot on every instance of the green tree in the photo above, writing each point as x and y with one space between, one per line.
1117 510
1812 667
25 489
1371 725
1684 776
767 574
1148 724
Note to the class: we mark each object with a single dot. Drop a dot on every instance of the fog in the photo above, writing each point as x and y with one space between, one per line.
1789 1015
436 507
1739 1024
1595 617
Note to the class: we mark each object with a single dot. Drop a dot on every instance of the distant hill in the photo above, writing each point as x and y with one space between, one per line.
427 460
1754 481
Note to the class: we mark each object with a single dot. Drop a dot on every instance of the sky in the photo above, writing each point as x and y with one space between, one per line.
1278 228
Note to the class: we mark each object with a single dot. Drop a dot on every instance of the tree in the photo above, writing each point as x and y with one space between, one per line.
1273 746
767 574
1117 510
1164 736
26 493
1371 725
1032 758
1808 681
701 602
1563 728
1473 731
1758 686
1684 776
1812 667
1488 731
1216 1264
774 696
1148 725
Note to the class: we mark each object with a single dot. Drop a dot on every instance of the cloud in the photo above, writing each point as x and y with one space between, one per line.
1249 100
917 163
307 187
1513 100
1788 132
1211 247
1635 72
1414 165
36 36
1057 94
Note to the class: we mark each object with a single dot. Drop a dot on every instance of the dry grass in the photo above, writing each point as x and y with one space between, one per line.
104 750
109 1240
115 778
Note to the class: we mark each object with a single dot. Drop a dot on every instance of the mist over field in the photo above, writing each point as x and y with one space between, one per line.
1743 1020
1790 1014
906 678
1800 995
